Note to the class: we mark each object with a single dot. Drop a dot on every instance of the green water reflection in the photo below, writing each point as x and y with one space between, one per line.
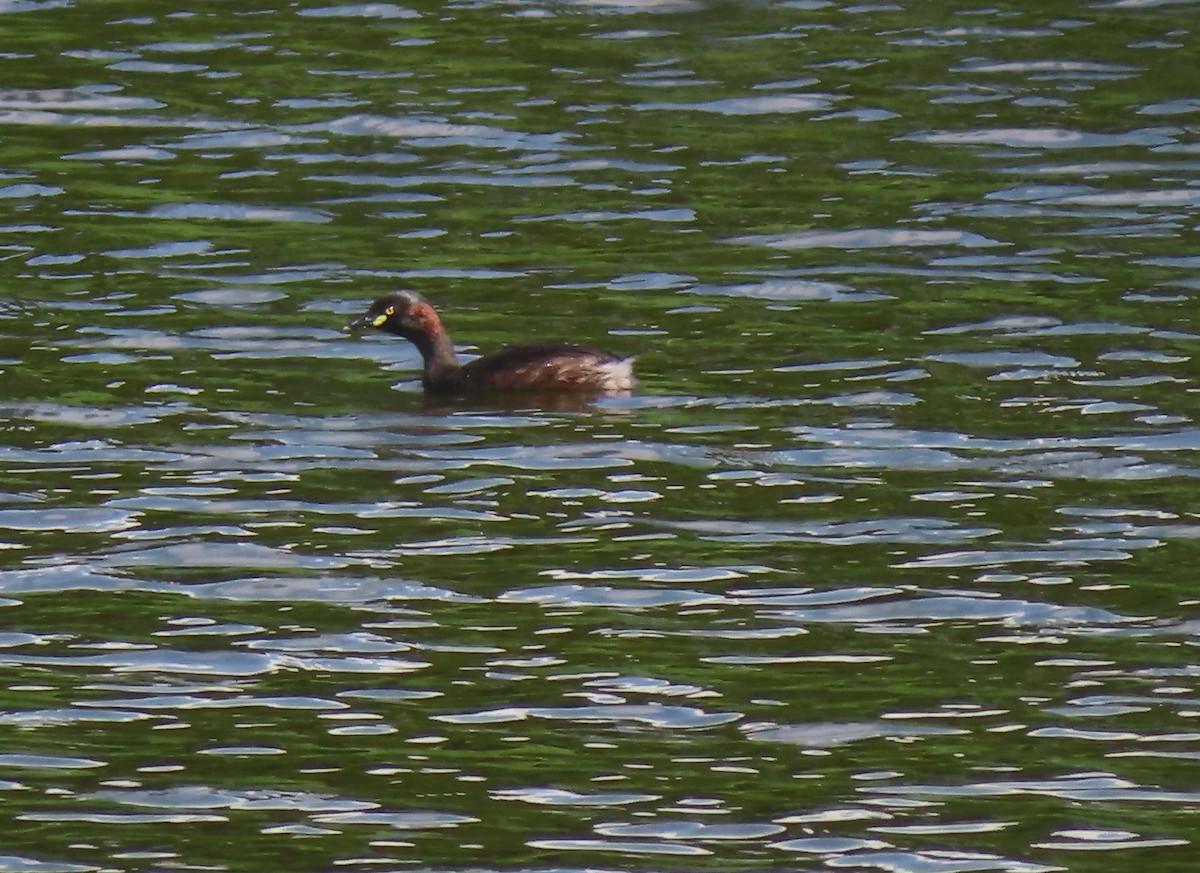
885 566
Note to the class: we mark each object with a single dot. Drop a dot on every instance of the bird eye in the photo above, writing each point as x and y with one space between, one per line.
390 311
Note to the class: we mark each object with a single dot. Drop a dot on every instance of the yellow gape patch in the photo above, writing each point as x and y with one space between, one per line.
379 319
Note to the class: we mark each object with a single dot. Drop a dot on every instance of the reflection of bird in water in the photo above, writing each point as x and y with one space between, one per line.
532 368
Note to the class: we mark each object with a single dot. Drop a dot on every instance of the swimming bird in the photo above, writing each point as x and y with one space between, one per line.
533 368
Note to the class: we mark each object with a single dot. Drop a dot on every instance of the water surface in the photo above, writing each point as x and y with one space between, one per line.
885 566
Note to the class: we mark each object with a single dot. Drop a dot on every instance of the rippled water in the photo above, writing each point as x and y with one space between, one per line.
885 566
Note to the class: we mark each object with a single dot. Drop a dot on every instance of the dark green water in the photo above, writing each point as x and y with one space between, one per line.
889 564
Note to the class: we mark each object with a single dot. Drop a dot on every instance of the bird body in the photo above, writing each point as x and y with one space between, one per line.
534 368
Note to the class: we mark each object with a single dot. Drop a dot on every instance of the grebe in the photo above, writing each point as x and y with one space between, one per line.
541 367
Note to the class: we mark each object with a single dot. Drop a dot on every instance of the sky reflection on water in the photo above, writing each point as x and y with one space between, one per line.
884 566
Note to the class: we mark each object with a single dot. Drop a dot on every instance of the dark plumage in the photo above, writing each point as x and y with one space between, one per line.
531 368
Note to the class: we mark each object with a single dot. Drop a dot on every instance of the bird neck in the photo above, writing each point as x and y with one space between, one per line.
439 355
436 348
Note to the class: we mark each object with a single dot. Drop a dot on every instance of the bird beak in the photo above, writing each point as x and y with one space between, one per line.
361 323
